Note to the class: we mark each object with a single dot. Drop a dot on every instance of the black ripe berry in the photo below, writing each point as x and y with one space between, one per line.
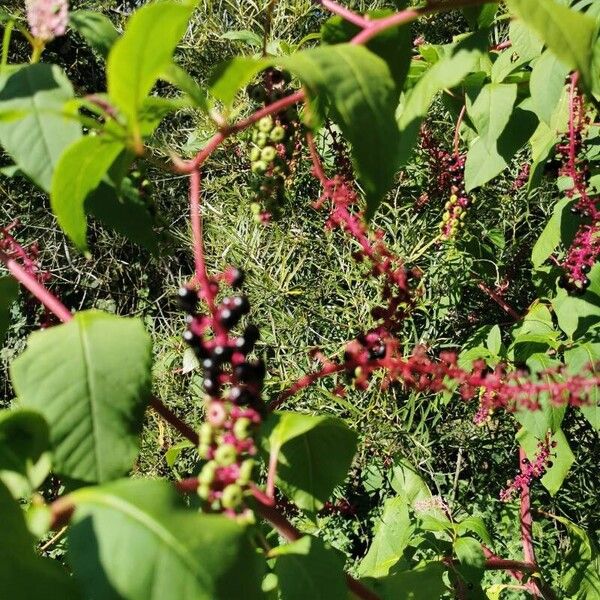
188 299
221 354
240 304
550 464
192 339
377 352
250 336
229 318
250 372
241 395
211 386
237 278
525 461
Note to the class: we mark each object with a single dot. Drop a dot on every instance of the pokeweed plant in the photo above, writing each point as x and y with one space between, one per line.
83 386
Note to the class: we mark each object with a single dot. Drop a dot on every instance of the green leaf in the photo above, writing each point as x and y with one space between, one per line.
471 558
577 359
80 170
308 569
234 74
581 578
124 212
408 484
562 457
96 374
481 17
576 314
23 574
315 454
40 128
459 60
486 161
424 582
394 45
561 227
524 41
95 28
363 97
492 109
135 539
546 85
9 291
144 52
243 35
569 34
393 534
180 78
474 525
24 460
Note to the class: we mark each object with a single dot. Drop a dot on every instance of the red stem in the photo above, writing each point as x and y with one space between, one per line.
459 121
525 517
171 418
318 169
272 473
499 301
49 300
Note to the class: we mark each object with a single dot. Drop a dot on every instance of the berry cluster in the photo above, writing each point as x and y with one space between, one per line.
454 216
274 146
28 257
585 247
233 385
530 470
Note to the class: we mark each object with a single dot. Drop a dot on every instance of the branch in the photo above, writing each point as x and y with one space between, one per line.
499 301
170 417
27 280
346 14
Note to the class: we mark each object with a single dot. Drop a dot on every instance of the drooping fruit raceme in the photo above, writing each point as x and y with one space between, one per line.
47 19
273 146
233 405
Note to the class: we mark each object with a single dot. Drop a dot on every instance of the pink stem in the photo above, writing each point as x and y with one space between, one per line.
170 417
346 14
51 302
499 301
306 381
501 46
318 169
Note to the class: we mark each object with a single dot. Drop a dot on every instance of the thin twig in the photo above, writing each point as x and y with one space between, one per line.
170 417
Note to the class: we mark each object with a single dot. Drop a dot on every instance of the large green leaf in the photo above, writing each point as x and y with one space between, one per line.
315 454
471 559
97 29
577 359
576 314
144 52
80 170
423 582
459 60
561 226
581 577
9 290
125 212
96 382
363 97
234 74
308 569
24 444
407 483
485 161
546 85
23 574
135 539
562 457
393 45
491 110
569 34
392 535
35 126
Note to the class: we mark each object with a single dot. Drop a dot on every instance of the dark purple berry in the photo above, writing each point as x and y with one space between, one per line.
229 318
241 304
237 278
250 336
192 339
221 354
188 299
211 386
377 352
241 395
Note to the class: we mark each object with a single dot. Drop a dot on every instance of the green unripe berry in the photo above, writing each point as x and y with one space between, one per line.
463 216
278 134
255 208
262 139
268 154
265 124
225 455
448 205
446 217
259 166
203 450
204 491
246 469
206 433
232 496
207 474
254 153
246 518
241 429
457 211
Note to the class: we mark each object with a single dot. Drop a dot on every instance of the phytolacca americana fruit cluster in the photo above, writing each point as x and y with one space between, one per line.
234 409
273 146
456 206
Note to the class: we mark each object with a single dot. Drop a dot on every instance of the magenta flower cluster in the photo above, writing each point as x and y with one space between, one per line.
47 18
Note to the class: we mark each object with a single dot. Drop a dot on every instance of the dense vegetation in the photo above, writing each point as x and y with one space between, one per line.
330 310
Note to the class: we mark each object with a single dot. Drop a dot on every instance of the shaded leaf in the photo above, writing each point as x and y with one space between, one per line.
9 291
96 28
96 374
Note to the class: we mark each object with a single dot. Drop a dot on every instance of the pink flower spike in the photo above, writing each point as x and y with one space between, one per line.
47 18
